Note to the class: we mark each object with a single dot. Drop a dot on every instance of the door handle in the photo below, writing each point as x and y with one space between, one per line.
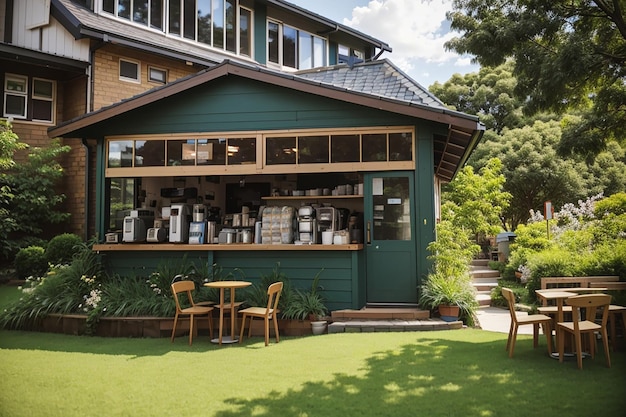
369 233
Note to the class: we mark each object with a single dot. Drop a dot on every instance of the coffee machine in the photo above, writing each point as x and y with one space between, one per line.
179 223
307 225
327 219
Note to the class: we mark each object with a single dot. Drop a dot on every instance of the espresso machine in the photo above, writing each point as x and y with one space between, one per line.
327 219
307 225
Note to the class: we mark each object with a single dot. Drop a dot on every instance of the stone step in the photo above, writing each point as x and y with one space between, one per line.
484 300
484 273
480 262
380 314
484 286
370 326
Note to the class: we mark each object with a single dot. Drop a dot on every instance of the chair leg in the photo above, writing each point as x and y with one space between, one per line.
535 335
210 325
243 326
513 339
191 320
605 342
267 330
508 340
276 329
174 328
250 326
579 350
547 330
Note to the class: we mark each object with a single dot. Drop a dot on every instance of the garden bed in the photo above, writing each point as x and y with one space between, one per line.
153 326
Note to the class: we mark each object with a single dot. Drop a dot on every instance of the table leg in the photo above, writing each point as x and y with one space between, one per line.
221 315
232 314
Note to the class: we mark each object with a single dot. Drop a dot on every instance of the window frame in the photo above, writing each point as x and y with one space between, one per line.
162 71
24 81
30 97
299 34
129 79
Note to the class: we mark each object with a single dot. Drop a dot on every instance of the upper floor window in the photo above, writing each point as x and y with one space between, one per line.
294 48
34 103
222 24
347 55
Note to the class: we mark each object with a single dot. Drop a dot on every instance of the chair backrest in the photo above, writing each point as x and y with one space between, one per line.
183 286
509 296
273 295
590 303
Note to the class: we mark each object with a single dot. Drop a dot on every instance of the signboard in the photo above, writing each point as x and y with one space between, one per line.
548 210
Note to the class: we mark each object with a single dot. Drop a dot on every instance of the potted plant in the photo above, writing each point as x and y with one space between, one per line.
451 294
308 305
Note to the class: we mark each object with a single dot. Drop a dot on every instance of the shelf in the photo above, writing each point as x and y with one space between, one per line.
165 246
314 197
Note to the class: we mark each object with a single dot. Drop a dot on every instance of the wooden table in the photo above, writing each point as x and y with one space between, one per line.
223 285
559 297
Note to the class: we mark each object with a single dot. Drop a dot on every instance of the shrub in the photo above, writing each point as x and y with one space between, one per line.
549 263
62 248
30 261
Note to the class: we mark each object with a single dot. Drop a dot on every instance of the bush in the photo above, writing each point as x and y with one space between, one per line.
30 261
61 248
549 263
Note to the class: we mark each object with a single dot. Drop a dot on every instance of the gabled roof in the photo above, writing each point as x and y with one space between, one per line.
392 91
84 23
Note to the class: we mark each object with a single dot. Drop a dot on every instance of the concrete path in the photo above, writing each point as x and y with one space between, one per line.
495 319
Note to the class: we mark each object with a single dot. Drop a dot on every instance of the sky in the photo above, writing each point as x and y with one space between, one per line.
416 30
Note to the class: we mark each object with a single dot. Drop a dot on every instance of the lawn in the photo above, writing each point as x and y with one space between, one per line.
443 373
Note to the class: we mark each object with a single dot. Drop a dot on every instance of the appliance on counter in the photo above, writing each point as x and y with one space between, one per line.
156 235
198 232
327 219
227 235
199 212
134 230
179 223
307 225
113 237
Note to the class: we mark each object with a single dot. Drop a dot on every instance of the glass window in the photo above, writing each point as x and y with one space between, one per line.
392 209
319 52
231 25
150 153
189 19
241 151
345 148
273 42
122 200
312 149
218 24
245 32
280 151
120 154
156 14
374 147
204 21
123 9
400 147
15 96
108 6
290 38
174 19
305 51
129 70
157 75
140 11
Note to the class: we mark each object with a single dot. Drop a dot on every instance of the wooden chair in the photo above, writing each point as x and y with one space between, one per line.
266 313
587 304
192 311
534 319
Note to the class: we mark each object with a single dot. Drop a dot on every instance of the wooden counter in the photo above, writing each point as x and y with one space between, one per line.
220 247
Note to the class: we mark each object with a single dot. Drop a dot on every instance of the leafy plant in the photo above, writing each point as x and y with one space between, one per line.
30 261
448 288
307 304
61 248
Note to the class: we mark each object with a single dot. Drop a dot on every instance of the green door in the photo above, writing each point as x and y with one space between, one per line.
390 238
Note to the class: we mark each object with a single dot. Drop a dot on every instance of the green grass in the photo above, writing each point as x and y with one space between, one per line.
444 373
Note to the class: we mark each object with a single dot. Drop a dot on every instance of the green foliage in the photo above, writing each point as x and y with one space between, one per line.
551 263
449 288
452 250
9 144
306 304
614 204
29 198
256 295
61 248
566 54
30 261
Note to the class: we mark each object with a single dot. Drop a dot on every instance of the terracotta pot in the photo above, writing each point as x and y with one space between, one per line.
448 313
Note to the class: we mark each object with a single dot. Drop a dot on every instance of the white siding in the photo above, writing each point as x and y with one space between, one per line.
51 38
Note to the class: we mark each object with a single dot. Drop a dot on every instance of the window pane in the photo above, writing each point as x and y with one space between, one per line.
42 88
204 151
319 51
157 75
15 105
218 23
231 25
280 151
289 46
392 210
312 149
400 147
123 9
272 42
156 14
345 148
108 6
241 151
305 51
140 11
122 196
129 70
189 19
120 153
204 21
245 35
149 153
42 110
174 21
374 147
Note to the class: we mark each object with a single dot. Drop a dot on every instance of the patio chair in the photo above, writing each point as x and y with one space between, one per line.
584 307
192 311
534 319
266 313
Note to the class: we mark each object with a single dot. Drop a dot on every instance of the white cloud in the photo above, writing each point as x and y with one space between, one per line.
415 29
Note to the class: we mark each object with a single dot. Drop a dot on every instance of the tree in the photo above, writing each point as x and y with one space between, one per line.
487 94
28 198
567 54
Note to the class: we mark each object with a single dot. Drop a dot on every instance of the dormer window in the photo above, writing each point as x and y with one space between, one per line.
222 24
294 48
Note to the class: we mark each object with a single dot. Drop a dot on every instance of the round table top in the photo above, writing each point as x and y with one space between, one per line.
227 284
